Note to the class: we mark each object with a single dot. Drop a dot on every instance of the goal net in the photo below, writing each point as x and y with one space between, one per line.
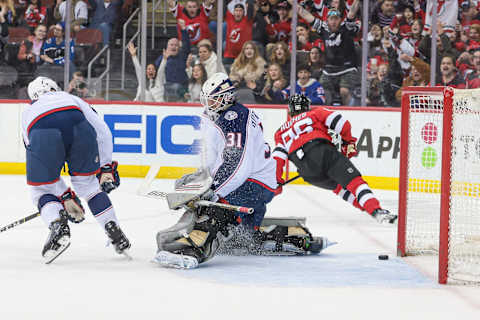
439 190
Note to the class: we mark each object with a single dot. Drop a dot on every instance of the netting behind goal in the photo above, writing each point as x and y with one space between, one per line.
439 196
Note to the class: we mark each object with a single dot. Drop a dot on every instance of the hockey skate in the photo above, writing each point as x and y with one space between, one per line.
117 238
384 216
58 240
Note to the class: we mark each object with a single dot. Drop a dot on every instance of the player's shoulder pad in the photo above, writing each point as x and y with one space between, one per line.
234 119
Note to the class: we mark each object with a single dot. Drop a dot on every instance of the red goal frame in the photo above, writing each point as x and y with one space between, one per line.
444 222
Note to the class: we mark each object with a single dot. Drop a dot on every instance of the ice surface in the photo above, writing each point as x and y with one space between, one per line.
89 281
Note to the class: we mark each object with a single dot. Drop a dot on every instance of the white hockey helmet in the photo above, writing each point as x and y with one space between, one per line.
40 86
218 93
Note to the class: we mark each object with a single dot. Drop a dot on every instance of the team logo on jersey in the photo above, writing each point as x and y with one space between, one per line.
235 35
334 42
194 31
231 115
96 159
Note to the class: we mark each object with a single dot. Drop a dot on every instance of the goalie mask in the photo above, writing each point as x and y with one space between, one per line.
218 93
40 86
297 104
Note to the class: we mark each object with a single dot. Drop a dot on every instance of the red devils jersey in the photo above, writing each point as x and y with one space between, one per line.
197 27
308 126
237 34
280 31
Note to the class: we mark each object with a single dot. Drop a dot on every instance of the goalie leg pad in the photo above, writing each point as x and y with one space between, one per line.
286 236
193 238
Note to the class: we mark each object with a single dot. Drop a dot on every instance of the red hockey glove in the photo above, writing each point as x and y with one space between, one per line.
108 177
349 149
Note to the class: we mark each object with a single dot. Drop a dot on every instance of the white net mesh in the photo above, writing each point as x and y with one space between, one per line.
464 235
424 175
424 172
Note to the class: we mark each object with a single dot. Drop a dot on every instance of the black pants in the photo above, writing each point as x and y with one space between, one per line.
322 165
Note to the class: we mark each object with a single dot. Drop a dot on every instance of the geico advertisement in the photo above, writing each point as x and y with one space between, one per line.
378 134
169 135
143 134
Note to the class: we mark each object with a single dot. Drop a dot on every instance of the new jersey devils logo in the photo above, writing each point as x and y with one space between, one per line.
194 31
235 35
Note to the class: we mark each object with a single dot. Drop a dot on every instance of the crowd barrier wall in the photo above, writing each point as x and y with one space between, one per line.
169 134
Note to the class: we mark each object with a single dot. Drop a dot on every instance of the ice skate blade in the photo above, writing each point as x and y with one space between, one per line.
178 261
51 255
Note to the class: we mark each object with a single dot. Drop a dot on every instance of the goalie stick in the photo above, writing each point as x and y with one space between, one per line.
21 221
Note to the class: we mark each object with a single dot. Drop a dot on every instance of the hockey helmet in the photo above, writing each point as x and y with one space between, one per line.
218 93
40 86
298 103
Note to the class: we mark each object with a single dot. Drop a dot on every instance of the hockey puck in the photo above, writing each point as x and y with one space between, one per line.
383 257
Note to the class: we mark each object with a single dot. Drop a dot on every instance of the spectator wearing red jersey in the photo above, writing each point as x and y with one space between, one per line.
470 15
35 13
403 21
449 75
239 29
469 39
195 17
473 78
280 30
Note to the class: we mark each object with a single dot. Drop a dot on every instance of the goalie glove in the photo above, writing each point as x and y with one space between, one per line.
108 177
349 148
73 206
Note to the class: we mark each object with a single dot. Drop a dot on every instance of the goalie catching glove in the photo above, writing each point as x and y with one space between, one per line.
349 148
108 177
73 206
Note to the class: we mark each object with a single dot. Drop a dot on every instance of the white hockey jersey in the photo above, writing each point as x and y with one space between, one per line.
57 101
235 151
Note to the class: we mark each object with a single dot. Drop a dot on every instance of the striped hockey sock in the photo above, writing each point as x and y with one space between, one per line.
102 208
363 194
347 196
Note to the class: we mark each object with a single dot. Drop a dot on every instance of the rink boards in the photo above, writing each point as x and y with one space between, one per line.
169 134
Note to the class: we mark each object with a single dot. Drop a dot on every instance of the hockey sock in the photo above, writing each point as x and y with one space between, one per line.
49 207
102 208
364 194
347 196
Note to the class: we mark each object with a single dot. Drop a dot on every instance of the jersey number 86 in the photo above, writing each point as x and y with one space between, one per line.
300 127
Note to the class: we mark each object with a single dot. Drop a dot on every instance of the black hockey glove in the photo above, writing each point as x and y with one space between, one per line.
108 177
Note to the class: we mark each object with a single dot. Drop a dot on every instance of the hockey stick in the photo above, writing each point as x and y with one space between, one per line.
205 203
21 221
289 180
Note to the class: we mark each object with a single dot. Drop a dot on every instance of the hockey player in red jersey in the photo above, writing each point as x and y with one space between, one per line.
304 139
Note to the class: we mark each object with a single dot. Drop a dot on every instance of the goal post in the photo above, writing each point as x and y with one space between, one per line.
439 181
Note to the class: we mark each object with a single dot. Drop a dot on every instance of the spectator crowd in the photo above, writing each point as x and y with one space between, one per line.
32 37
257 51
